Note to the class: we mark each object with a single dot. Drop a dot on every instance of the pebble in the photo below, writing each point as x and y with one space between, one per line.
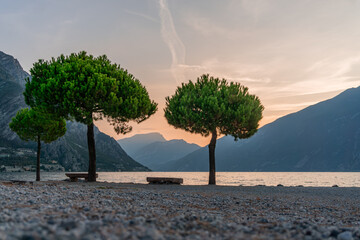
345 236
64 210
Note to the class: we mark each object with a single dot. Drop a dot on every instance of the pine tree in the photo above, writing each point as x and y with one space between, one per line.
214 106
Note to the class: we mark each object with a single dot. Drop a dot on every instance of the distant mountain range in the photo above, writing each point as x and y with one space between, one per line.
154 151
70 151
322 137
132 144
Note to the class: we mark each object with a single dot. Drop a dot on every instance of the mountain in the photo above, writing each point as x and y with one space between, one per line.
11 70
70 151
154 151
12 85
322 137
138 141
157 154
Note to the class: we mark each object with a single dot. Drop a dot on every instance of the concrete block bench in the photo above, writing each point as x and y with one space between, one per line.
164 180
75 176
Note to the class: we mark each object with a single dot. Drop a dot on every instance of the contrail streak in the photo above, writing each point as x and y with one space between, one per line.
172 40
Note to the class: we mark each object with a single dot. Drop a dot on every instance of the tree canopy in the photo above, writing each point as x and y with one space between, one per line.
87 88
84 88
30 125
34 125
214 106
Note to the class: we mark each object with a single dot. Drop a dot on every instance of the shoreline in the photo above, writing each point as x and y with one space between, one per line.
343 179
80 181
100 210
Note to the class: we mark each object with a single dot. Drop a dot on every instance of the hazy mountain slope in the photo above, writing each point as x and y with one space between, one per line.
154 155
11 98
322 137
70 150
138 141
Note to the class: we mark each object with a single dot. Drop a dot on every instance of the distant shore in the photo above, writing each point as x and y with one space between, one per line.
58 210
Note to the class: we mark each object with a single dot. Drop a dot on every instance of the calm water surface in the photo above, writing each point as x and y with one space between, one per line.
315 179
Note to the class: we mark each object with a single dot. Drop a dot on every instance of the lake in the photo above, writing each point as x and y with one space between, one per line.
314 179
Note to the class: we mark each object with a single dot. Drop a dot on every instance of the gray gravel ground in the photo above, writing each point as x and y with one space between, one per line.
64 210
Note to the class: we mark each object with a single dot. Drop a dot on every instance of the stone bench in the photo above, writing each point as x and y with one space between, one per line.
164 180
75 176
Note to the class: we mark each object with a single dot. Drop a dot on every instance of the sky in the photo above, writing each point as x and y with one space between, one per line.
289 53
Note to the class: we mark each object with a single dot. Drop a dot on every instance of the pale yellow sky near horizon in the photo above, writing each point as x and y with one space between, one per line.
290 53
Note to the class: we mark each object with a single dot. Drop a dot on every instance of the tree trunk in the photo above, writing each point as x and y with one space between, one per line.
212 144
38 160
92 153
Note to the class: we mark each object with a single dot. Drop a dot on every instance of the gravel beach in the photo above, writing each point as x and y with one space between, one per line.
65 210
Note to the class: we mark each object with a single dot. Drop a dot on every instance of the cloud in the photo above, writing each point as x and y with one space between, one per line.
210 28
328 74
250 75
173 41
289 106
147 17
334 67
